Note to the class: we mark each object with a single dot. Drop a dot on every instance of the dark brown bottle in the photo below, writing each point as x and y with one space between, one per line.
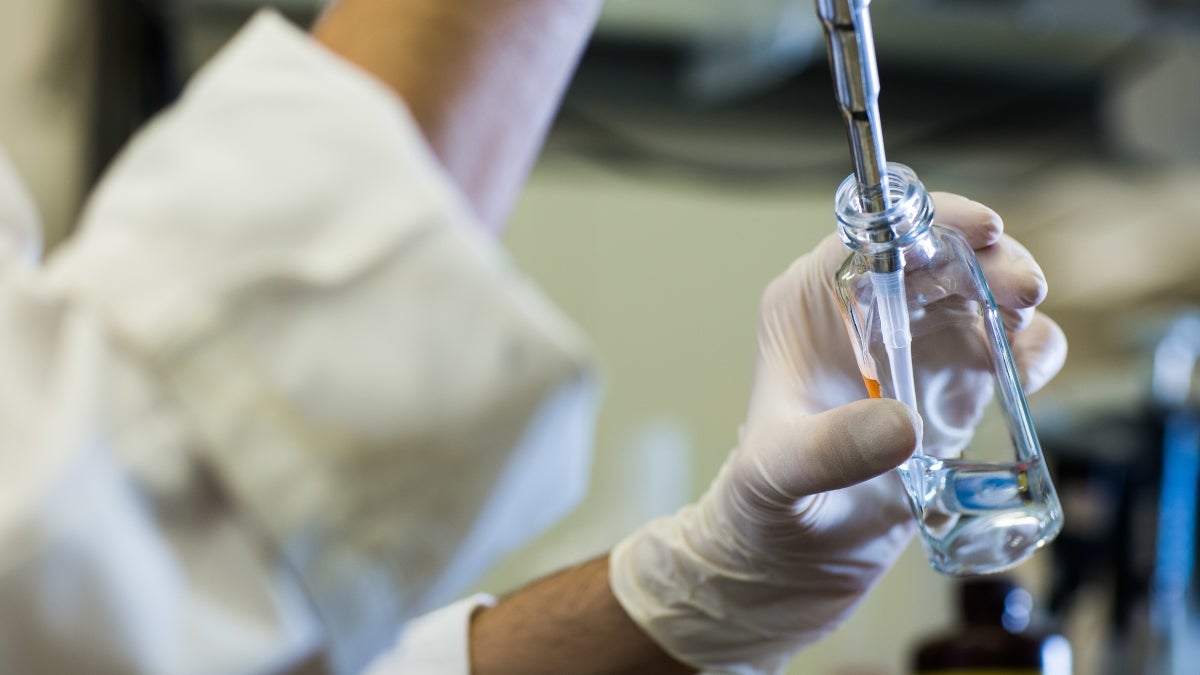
994 637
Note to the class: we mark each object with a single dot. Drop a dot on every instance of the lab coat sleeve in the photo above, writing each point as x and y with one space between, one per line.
116 555
351 363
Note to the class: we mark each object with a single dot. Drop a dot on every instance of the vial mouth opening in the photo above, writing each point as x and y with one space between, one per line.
908 216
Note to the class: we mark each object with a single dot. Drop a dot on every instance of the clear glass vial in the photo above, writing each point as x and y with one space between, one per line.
983 501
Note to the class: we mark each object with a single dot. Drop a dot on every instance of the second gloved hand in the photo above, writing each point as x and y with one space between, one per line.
805 516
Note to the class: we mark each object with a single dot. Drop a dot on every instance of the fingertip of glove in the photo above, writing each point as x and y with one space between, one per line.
1041 352
979 223
888 432
1032 286
990 225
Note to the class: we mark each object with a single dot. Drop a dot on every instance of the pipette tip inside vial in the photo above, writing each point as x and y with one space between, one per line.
892 304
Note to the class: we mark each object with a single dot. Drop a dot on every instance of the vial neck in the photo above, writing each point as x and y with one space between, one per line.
882 235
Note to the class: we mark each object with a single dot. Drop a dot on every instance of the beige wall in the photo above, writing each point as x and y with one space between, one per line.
45 92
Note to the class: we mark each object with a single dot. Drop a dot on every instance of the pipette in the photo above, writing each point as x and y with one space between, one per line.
851 46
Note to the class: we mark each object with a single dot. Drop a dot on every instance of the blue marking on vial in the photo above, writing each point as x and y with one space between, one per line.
987 491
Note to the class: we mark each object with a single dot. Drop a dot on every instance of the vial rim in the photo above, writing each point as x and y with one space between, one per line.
910 203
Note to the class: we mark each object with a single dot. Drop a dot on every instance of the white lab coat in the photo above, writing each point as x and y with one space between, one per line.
277 396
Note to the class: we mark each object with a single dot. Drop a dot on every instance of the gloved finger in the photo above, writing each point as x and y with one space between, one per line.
824 260
809 454
981 226
1040 352
1016 320
1016 280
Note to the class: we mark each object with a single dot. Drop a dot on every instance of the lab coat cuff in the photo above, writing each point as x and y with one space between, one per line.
435 644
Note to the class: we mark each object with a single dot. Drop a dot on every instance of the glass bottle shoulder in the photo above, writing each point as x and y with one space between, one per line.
939 264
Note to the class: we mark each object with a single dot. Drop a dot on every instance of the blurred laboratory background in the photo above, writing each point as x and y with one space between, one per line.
697 154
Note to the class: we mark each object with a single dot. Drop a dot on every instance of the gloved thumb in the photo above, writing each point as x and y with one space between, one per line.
838 448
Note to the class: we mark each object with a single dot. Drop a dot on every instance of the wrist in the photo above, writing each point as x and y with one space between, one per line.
569 622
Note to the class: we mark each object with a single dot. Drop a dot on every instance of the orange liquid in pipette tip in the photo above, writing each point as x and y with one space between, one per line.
873 387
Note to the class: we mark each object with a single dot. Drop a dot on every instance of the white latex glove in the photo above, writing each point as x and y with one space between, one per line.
789 537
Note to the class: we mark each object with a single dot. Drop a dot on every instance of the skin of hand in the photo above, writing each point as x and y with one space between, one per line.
568 622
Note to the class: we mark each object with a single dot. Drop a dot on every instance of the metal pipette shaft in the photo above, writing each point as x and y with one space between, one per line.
851 46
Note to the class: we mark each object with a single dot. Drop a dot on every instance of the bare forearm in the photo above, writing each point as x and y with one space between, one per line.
567 623
482 77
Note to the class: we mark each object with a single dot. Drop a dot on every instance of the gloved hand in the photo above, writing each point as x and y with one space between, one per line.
789 537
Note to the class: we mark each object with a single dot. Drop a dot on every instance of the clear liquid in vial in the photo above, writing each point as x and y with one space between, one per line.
979 518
